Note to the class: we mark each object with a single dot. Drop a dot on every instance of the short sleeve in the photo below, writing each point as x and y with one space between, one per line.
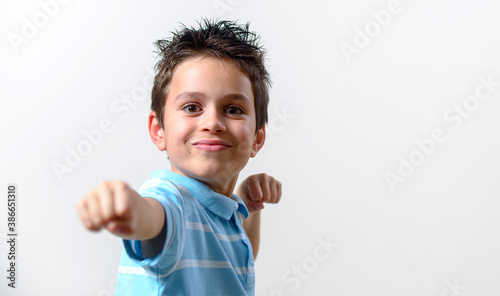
171 200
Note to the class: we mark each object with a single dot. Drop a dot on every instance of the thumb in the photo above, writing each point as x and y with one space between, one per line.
255 206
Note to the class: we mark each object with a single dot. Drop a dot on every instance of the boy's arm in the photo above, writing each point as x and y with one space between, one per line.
252 228
255 191
122 211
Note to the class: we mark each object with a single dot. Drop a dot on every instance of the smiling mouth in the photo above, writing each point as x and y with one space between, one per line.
212 145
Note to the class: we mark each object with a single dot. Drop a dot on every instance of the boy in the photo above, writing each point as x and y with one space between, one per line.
183 231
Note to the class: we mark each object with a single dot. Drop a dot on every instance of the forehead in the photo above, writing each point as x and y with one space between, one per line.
213 77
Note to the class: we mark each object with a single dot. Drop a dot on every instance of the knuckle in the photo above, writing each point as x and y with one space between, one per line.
100 188
106 216
89 224
123 210
103 185
97 220
120 185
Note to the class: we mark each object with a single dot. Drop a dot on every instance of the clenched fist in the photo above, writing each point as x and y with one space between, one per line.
259 189
121 210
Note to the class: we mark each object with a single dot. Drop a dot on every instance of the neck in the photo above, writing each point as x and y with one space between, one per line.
219 185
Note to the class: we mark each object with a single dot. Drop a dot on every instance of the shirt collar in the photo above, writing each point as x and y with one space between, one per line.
217 203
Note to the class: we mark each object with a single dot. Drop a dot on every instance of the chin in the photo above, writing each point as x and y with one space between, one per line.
207 172
211 173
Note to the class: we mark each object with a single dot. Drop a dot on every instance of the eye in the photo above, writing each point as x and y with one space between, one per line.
191 108
234 110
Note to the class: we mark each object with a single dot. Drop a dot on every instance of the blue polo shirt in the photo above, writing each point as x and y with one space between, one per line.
206 250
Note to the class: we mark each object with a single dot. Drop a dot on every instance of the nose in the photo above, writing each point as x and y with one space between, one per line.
212 121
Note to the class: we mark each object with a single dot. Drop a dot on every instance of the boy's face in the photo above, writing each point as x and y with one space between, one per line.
209 122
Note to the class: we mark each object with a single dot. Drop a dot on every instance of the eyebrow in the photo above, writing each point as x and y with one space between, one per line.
190 94
238 96
197 94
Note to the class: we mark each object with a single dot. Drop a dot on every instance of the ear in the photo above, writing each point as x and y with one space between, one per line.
156 132
260 138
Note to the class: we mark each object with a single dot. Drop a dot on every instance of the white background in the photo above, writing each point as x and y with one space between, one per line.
348 124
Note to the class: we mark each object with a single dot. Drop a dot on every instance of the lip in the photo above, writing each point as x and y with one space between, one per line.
211 145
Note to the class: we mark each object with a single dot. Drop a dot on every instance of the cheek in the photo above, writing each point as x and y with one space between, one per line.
177 132
246 137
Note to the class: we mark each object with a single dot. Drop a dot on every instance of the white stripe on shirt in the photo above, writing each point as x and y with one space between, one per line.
135 270
207 228
191 263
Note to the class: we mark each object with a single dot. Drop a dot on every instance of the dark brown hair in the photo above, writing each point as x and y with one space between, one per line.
219 39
